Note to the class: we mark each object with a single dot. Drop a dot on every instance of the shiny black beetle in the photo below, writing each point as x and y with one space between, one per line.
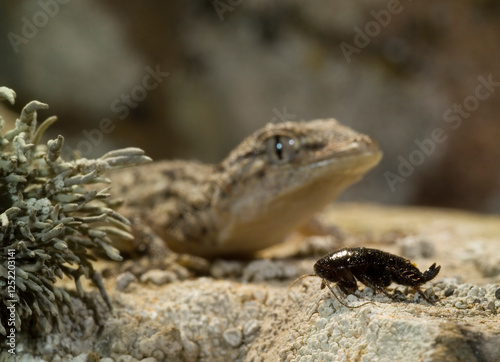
374 268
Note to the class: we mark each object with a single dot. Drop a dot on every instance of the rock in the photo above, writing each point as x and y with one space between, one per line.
257 317
412 247
149 359
226 269
232 336
251 328
265 269
319 245
158 277
80 358
123 281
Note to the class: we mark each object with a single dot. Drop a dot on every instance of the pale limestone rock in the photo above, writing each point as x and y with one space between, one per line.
219 320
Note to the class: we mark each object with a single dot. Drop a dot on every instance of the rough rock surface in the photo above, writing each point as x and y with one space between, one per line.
249 313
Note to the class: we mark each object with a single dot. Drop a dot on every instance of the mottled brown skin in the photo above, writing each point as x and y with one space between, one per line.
372 267
270 184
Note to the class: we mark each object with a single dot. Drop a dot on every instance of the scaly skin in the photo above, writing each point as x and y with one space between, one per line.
269 185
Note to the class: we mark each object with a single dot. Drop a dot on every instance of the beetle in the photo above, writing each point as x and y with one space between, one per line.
372 267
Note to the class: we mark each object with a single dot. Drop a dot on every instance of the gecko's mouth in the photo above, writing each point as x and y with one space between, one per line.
359 163
349 161
353 154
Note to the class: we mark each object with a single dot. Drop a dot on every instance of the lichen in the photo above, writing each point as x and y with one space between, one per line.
55 217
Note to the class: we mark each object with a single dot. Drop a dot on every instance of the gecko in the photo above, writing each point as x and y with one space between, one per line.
274 181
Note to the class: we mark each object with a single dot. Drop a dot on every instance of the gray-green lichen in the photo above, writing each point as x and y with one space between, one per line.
53 220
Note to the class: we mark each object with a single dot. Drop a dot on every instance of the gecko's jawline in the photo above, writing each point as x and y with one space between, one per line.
366 159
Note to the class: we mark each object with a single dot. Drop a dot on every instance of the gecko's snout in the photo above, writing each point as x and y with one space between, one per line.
365 142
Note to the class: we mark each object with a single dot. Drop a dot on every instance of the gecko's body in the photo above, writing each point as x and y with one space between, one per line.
273 182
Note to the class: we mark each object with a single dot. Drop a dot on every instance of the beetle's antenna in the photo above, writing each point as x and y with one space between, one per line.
325 282
300 278
316 308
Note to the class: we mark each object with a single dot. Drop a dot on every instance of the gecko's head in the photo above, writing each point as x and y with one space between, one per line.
285 156
286 172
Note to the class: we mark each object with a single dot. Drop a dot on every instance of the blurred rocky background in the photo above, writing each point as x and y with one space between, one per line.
190 79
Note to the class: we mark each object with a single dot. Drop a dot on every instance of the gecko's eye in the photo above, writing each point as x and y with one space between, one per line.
281 149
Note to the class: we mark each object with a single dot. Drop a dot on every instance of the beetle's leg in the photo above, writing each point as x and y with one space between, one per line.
378 278
346 281
380 288
423 295
325 282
